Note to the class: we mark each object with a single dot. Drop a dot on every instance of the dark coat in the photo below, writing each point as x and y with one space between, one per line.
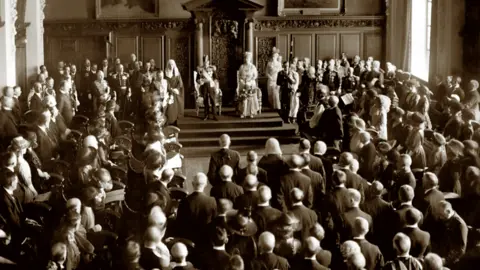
367 156
316 165
8 127
400 216
226 190
196 211
219 158
318 187
148 259
271 261
264 216
451 242
275 166
420 241
163 193
262 176
46 146
12 212
307 264
64 106
373 255
215 260
248 200
290 180
349 217
382 213
328 166
356 181
332 124
430 198
36 103
307 218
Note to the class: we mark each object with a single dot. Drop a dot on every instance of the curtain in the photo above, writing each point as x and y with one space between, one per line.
399 33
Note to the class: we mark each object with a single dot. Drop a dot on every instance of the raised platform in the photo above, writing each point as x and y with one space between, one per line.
196 133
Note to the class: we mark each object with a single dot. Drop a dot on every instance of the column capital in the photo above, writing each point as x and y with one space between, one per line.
249 20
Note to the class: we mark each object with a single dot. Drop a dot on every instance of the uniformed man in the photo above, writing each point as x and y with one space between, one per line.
121 85
349 82
330 77
206 79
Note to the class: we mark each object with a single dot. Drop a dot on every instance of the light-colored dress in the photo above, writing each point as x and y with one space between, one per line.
273 67
247 90
294 96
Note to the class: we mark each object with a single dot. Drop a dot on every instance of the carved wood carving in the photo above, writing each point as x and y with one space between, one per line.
181 55
291 23
106 26
226 27
264 50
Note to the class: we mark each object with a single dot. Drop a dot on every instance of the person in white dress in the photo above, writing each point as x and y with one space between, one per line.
273 67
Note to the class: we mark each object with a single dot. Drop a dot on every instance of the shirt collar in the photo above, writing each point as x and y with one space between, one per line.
222 248
264 204
297 203
359 238
409 203
9 191
428 190
313 258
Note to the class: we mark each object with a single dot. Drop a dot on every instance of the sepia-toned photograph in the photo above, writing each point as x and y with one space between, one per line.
239 135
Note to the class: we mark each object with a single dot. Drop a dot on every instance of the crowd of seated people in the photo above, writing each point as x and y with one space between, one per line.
389 177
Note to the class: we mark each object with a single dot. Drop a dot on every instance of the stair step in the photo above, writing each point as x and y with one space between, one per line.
285 130
236 141
230 122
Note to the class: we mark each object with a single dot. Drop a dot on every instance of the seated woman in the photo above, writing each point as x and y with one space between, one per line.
90 197
160 84
247 89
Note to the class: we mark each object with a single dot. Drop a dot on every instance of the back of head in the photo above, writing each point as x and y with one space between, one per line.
152 235
349 248
252 156
295 161
354 197
355 165
157 217
304 145
306 159
297 195
429 180
345 159
361 226
318 232
356 261
179 252
406 193
405 160
376 188
236 263
412 216
224 140
167 175
264 194
401 243
433 262
226 173
339 178
199 181
219 237
266 242
251 181
224 205
59 252
364 137
132 252
320 148
311 246
272 147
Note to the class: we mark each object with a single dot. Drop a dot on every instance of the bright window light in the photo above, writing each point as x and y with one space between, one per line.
421 30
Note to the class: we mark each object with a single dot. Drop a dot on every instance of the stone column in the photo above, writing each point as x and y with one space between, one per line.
8 15
249 36
199 43
35 51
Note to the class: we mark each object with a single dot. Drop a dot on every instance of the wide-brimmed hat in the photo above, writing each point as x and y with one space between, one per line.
384 147
439 139
240 223
288 219
20 143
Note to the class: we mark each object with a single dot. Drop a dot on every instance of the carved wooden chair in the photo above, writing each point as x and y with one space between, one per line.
122 141
80 123
30 117
171 132
199 97
126 127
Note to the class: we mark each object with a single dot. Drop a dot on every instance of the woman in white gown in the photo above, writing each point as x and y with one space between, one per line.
247 90
273 67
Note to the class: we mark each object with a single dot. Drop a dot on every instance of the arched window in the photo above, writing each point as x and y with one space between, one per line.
420 42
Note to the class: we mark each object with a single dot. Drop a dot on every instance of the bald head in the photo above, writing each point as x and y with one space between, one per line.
311 246
296 162
364 137
429 180
433 262
318 232
226 173
157 218
251 182
74 204
296 195
167 175
339 178
153 235
354 197
320 148
401 244
405 161
252 157
361 227
224 141
179 252
412 216
264 194
266 242
349 248
356 261
199 182
406 193
224 205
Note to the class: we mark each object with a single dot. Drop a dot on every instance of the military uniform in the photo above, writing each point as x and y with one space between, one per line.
331 79
349 84
207 91
121 86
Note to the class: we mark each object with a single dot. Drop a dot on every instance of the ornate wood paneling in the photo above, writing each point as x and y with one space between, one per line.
276 24
302 45
326 46
153 48
125 46
178 49
282 45
373 45
264 47
350 44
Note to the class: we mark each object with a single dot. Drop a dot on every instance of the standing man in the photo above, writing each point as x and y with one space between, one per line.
284 80
132 64
206 79
136 81
121 86
331 78
224 156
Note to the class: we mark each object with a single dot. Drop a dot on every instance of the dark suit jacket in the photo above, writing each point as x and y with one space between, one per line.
8 126
163 193
226 190
373 255
248 200
290 180
307 264
420 241
270 261
307 218
349 222
46 146
382 213
196 211
400 216
264 216
262 176
332 124
367 156
356 181
36 103
218 159
316 164
215 260
318 187
12 212
64 106
430 198
275 166
148 259
328 166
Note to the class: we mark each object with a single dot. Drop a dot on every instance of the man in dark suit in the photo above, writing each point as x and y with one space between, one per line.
315 163
353 211
330 77
307 218
252 168
324 257
154 254
10 208
317 182
160 187
136 81
267 259
196 211
405 196
47 145
216 258
64 103
294 178
373 255
366 157
403 176
8 124
431 194
220 221
249 199
309 262
354 180
264 215
35 102
319 150
224 156
226 189
331 123
420 239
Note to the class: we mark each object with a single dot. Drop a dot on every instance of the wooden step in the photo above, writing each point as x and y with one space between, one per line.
276 131
236 141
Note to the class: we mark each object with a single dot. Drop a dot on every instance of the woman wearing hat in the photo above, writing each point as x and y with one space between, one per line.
26 192
450 173
437 156
414 143
423 105
284 229
176 107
